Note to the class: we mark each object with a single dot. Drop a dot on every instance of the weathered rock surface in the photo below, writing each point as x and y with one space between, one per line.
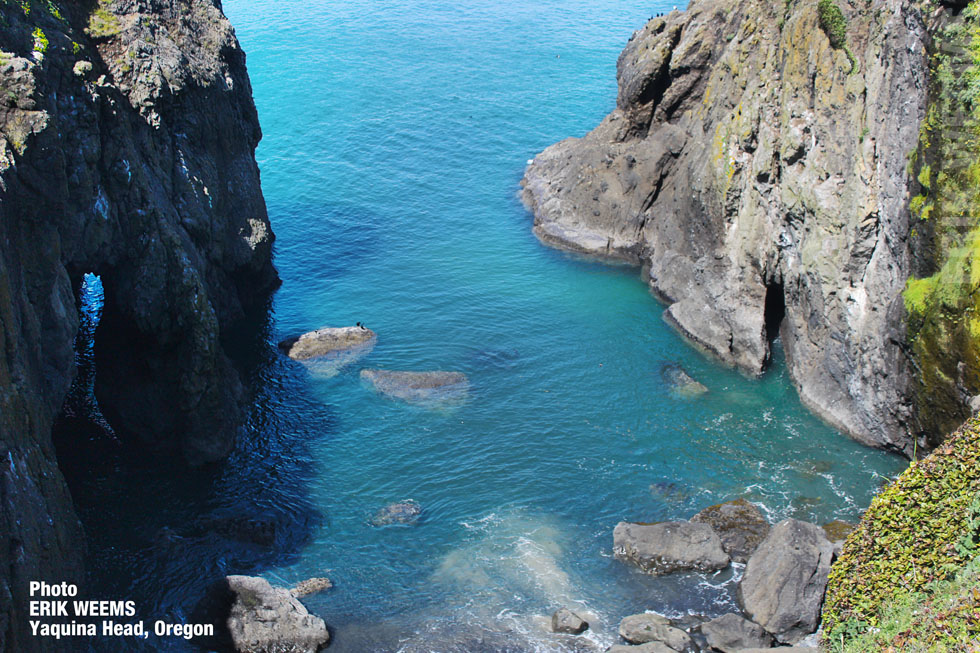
566 621
311 586
651 627
739 525
325 341
252 616
783 586
401 512
651 647
419 387
132 159
681 383
764 188
669 546
731 633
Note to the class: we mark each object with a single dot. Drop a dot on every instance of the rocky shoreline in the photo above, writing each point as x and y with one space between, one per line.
763 186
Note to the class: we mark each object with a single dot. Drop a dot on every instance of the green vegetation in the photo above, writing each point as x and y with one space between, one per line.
907 578
834 25
944 307
103 23
40 40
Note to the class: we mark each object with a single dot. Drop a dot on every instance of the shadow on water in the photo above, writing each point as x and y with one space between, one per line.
158 532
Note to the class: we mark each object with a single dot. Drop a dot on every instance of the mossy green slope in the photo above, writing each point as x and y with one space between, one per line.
943 305
903 578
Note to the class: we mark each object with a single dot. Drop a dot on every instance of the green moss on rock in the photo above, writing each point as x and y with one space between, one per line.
916 533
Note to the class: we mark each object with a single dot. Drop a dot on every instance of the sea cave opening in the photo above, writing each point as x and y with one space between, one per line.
774 313
80 404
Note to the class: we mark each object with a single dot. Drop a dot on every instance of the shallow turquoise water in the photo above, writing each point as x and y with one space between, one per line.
395 138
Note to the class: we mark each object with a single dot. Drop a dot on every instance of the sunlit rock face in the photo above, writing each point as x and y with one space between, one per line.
762 182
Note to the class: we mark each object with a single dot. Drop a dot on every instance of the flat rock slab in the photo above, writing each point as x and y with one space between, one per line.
326 341
251 615
669 546
418 387
739 524
783 586
402 512
311 586
566 621
731 633
650 627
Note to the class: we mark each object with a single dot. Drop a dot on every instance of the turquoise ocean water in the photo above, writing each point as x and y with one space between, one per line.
395 137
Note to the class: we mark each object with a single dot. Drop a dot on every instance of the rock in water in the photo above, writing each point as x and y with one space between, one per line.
669 546
739 524
650 647
731 633
783 586
566 621
419 387
311 586
680 382
749 226
402 512
328 340
252 616
650 627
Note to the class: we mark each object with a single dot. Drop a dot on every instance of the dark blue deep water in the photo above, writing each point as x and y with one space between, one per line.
395 137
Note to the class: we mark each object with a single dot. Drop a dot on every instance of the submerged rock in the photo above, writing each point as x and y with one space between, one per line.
731 633
650 627
418 387
311 586
784 582
680 382
669 546
252 616
566 621
739 524
327 341
255 530
837 531
402 512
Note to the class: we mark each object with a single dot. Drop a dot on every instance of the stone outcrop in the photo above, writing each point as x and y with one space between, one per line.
127 133
567 622
783 587
731 633
325 341
739 524
252 616
669 546
650 627
763 185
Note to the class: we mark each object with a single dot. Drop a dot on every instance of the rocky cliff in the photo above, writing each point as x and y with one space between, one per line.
127 137
757 165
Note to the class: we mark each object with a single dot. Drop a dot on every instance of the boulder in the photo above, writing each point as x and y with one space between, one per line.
731 633
566 621
651 647
669 546
650 627
739 525
680 382
252 616
402 512
311 586
784 582
328 340
421 387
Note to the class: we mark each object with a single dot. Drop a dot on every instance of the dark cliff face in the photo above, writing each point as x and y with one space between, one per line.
763 182
127 138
